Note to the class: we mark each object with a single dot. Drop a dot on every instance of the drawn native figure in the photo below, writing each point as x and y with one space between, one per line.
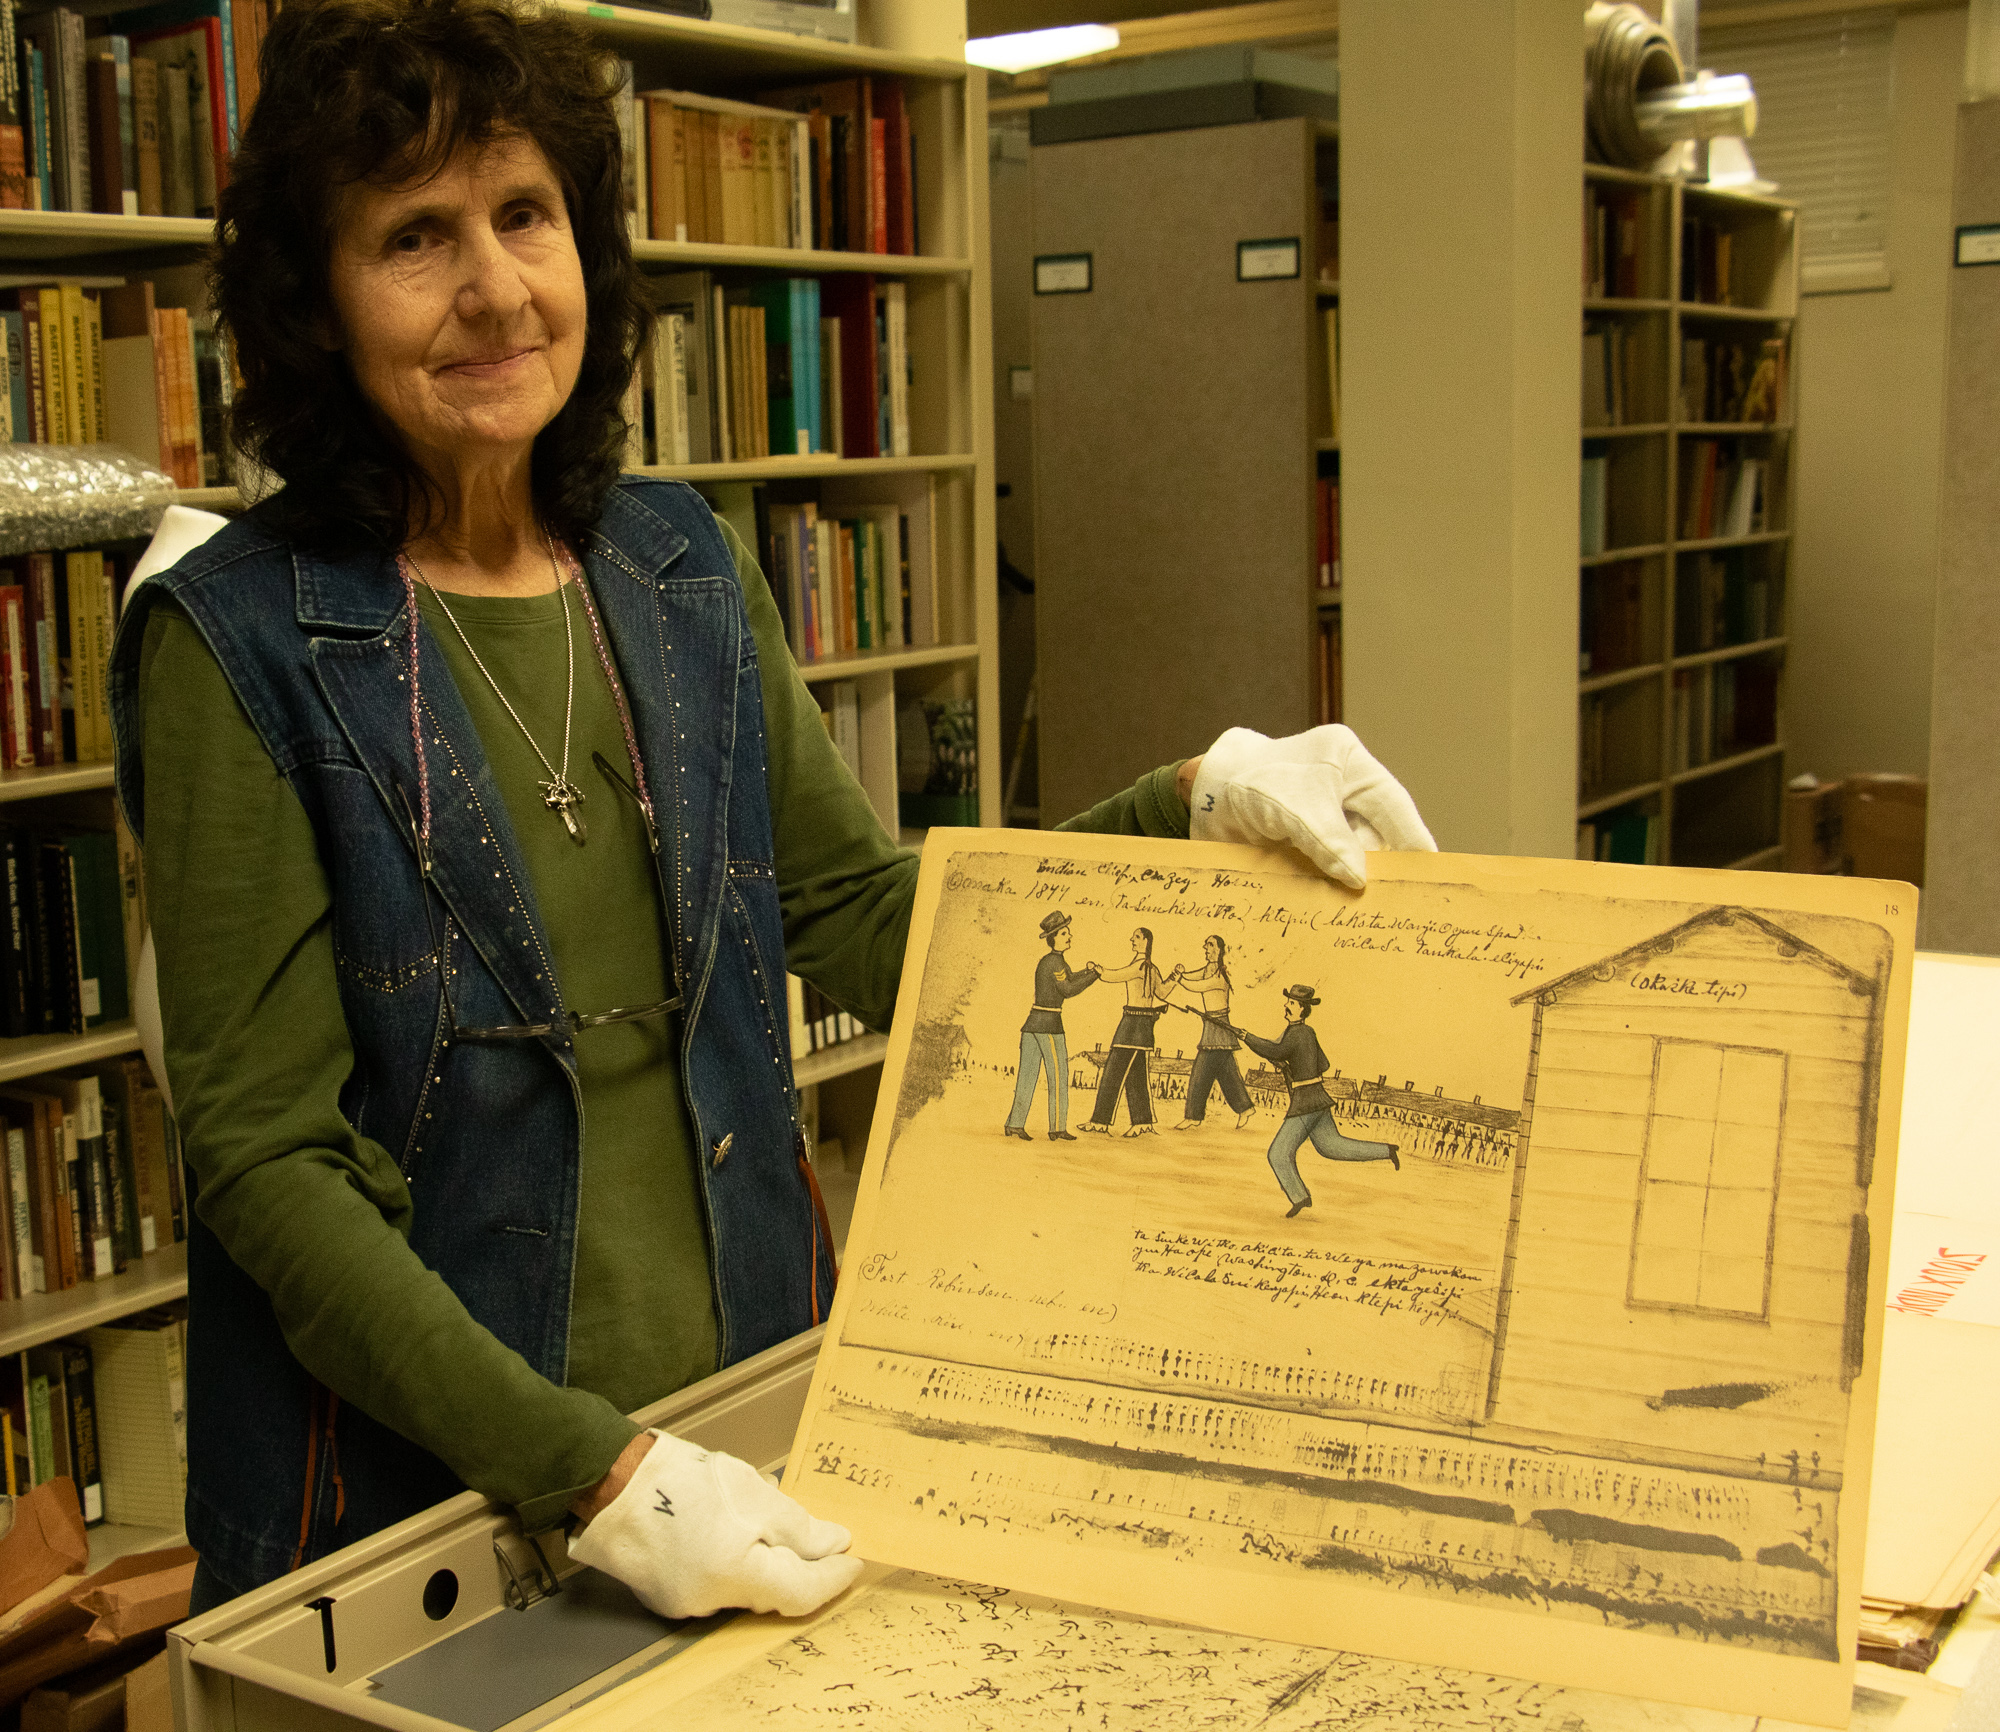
1145 1002
1044 1050
1310 1114
1215 1051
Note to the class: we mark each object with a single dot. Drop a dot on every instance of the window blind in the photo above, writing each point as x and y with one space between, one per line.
1824 93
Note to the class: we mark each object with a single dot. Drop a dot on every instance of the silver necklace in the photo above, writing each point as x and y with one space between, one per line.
559 793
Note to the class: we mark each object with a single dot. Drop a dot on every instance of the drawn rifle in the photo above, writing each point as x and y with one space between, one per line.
1221 1022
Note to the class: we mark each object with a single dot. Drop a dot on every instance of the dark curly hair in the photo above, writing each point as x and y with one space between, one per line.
354 89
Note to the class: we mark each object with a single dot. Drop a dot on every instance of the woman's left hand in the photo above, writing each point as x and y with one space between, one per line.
1321 792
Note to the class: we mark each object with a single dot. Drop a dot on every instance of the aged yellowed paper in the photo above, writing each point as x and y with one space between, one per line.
1479 1270
925 1654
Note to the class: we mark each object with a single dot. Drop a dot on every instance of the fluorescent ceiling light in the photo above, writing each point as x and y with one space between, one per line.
1024 50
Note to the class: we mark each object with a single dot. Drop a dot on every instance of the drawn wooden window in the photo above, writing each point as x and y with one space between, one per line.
1708 1183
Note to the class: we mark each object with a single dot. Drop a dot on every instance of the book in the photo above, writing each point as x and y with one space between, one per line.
670 389
88 606
14 174
892 324
141 1388
26 305
81 1412
1595 508
41 165
149 1133
56 941
180 186
90 1183
666 168
850 298
103 987
48 1413
19 426
103 114
20 1011
45 675
17 722
149 184
690 296
38 1116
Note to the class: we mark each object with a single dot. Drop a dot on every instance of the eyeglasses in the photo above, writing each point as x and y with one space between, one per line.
563 1023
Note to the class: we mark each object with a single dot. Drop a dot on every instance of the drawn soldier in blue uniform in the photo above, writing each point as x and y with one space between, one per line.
1310 1115
1043 1046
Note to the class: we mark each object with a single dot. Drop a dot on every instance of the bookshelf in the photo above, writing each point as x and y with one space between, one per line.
1685 566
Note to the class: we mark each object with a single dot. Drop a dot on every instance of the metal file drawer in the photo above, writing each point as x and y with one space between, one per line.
329 1645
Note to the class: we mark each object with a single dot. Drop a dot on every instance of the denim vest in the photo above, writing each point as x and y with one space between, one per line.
488 1135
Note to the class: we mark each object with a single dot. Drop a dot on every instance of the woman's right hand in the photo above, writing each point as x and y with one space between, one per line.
691 1532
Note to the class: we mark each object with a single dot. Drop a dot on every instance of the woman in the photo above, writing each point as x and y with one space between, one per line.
440 753
1146 992
1215 1050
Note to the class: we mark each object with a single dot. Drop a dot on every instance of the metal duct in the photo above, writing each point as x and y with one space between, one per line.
1715 105
1626 57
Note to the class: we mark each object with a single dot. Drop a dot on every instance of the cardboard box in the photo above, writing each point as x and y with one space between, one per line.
1882 819
1812 829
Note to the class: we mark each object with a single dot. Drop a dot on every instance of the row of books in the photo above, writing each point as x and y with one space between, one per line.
130 113
829 166
1722 492
1331 320
1614 243
816 1021
71 923
1617 741
1722 599
1723 709
1328 695
1628 834
784 366
1326 515
1734 379
58 612
1594 500
1613 377
1612 618
107 363
107 1410
1708 262
93 1177
852 562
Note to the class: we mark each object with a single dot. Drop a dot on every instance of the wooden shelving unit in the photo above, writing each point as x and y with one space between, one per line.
1640 731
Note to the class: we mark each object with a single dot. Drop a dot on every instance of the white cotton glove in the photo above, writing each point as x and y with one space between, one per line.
1321 792
694 1532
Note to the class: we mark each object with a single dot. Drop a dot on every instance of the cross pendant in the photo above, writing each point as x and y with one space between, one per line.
561 797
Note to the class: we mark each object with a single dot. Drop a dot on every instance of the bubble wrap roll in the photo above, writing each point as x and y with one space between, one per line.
76 496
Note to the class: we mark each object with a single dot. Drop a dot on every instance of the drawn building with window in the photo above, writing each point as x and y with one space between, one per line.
1686 1258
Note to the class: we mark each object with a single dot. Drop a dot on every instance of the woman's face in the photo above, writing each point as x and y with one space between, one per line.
461 303
1211 951
1138 943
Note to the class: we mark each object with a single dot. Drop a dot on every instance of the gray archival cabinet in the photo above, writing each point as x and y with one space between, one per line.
1175 408
443 1622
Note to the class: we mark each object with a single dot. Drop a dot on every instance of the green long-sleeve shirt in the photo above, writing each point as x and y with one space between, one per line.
257 1048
